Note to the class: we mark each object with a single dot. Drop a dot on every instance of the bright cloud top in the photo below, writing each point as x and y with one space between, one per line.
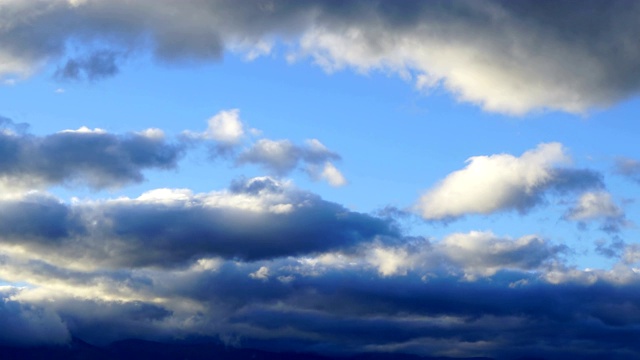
503 182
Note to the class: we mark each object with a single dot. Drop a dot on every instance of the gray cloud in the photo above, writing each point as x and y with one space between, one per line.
282 156
258 219
598 206
95 66
505 56
88 157
588 314
281 268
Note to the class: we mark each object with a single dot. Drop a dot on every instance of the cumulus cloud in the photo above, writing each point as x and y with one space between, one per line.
83 156
226 132
504 182
225 129
505 56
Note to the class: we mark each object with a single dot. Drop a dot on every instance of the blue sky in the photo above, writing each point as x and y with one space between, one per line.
302 145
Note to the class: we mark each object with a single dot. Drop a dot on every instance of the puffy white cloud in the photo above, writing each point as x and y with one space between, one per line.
225 127
503 182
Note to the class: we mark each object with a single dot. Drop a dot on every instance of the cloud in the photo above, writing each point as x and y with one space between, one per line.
483 253
23 324
225 129
95 66
504 182
226 133
262 260
330 174
427 309
88 157
598 206
506 57
280 157
629 168
258 218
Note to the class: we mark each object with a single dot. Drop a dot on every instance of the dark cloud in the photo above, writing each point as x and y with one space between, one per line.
506 315
88 157
312 277
37 219
280 222
29 325
259 219
518 56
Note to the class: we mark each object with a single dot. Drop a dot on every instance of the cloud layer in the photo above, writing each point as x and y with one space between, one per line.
256 219
505 56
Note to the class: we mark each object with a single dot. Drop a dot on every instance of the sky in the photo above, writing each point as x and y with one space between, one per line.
442 178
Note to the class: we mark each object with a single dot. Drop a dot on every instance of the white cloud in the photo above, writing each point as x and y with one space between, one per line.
152 133
260 274
493 183
594 205
332 175
84 130
225 127
389 261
